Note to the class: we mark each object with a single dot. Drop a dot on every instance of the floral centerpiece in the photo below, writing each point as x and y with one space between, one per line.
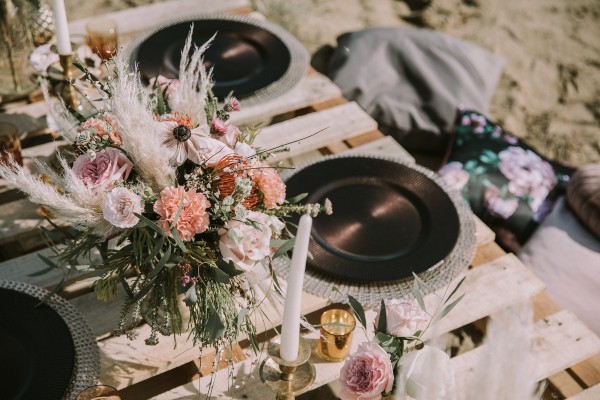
396 361
174 198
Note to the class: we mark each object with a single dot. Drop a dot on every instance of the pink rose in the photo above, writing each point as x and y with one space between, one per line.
247 244
230 137
104 170
454 176
119 207
403 317
498 206
528 174
366 374
270 185
193 218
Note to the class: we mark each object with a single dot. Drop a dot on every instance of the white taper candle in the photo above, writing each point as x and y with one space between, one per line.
290 329
61 28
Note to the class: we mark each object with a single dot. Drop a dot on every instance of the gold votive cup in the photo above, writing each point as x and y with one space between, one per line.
337 326
10 144
99 392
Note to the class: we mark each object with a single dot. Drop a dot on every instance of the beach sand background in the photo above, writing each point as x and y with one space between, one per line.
549 93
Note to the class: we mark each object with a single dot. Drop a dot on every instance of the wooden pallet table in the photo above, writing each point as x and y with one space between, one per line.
567 352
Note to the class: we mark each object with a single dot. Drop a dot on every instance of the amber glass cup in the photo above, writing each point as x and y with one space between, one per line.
337 326
102 37
99 392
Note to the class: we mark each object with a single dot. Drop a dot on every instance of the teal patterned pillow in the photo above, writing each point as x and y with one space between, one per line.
506 182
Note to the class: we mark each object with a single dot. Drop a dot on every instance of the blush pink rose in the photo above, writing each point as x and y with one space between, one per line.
404 317
119 207
454 176
193 218
230 136
270 185
247 244
108 167
366 374
497 205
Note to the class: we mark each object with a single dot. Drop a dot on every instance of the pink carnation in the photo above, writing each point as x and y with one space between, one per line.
366 374
270 185
104 170
193 218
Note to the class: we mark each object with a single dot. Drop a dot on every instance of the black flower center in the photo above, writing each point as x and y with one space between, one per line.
182 133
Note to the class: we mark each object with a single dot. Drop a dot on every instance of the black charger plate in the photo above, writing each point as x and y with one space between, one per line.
388 220
245 56
37 353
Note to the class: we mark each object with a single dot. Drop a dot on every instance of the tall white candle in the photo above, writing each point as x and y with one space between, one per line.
61 28
290 329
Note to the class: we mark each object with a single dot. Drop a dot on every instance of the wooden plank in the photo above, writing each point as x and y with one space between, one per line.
486 252
592 393
384 146
333 124
312 88
141 18
488 289
559 341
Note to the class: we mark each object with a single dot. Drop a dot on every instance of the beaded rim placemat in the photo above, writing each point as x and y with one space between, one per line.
299 57
86 367
370 294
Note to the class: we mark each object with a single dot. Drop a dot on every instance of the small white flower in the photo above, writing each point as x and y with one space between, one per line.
119 207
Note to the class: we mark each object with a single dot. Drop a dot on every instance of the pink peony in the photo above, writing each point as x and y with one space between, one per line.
247 244
497 205
104 170
270 185
528 174
403 317
103 128
366 374
193 218
119 207
454 176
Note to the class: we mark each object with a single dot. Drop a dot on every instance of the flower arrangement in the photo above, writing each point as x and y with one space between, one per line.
396 361
174 198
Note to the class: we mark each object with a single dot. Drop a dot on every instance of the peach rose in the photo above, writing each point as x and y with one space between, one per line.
104 170
193 218
366 374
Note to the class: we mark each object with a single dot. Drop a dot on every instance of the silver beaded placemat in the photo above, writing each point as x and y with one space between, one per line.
371 293
299 57
86 367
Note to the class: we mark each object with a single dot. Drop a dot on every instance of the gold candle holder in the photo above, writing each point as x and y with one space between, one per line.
68 93
287 379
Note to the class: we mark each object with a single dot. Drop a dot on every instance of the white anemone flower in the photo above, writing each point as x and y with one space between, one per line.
185 143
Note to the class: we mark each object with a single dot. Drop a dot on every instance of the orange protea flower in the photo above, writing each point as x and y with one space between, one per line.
227 170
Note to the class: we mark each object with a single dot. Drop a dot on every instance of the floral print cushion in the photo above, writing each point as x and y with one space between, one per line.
507 184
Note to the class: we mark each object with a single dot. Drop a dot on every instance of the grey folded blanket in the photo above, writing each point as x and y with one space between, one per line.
411 81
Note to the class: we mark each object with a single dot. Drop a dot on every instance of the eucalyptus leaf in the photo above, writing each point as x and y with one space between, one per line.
297 199
358 311
161 263
214 325
157 246
228 267
190 296
458 285
382 324
220 276
240 318
284 248
144 290
148 223
416 290
449 308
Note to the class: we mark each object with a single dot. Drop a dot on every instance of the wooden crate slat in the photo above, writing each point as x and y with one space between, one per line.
385 146
336 124
141 18
592 393
559 341
312 88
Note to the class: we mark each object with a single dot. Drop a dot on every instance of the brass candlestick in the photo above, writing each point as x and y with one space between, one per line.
68 94
287 379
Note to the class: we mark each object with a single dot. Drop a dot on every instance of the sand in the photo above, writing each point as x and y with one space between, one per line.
549 93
